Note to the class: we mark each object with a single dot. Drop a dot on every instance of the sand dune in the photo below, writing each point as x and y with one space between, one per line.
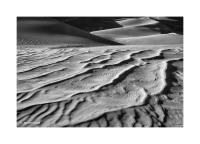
129 31
47 31
143 31
137 21
159 39
91 23
134 79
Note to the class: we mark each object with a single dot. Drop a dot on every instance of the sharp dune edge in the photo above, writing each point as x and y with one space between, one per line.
48 31
137 21
131 77
160 39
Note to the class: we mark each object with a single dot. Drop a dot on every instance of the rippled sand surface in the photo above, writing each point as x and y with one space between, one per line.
121 79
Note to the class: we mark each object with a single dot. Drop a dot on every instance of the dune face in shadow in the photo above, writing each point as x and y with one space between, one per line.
137 82
146 31
47 31
91 23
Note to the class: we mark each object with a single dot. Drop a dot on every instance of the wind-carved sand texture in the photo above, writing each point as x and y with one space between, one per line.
101 85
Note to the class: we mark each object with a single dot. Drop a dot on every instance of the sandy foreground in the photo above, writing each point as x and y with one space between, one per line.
127 76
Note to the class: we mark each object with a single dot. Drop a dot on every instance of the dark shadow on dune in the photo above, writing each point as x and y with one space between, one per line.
51 27
91 23
175 25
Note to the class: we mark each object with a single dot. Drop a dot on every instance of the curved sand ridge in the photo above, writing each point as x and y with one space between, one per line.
67 91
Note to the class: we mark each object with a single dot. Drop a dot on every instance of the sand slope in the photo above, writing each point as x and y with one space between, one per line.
137 21
140 31
47 31
159 39
126 32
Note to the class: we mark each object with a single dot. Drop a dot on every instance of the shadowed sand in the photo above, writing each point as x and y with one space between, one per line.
47 31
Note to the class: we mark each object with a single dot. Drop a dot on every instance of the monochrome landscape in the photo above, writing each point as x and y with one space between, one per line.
99 72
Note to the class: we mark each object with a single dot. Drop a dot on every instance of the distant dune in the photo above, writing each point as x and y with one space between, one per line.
91 23
144 31
47 31
137 21
129 31
158 39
